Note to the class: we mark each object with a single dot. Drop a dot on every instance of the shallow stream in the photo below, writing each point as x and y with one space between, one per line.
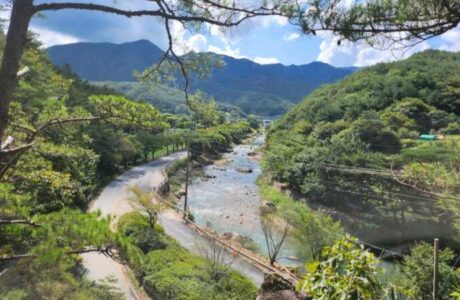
227 200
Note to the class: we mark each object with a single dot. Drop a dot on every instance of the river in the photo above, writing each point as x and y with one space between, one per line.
228 200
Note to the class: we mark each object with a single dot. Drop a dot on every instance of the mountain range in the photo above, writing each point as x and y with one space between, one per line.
267 90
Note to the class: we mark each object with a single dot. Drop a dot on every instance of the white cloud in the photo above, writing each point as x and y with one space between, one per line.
198 42
266 60
361 54
50 37
184 42
367 56
291 36
451 39
235 53
330 50
267 21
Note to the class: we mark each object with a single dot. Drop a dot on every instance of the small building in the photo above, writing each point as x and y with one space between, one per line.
428 137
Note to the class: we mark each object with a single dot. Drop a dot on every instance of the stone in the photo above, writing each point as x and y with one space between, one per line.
276 288
244 170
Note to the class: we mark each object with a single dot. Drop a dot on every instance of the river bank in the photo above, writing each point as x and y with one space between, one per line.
224 197
233 203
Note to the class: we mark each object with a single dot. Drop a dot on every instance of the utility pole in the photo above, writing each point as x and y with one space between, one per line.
435 269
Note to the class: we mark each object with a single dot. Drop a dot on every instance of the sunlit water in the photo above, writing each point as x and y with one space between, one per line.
228 200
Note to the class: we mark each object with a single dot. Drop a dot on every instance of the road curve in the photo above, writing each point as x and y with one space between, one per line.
113 201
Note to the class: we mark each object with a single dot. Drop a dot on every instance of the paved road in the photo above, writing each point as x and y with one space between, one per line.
113 200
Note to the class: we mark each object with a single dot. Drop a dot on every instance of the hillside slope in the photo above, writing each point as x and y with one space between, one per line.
166 99
338 146
106 61
260 89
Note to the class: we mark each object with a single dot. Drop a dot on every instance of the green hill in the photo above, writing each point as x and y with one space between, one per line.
337 148
166 99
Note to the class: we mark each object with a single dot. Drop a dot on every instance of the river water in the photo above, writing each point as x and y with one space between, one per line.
228 201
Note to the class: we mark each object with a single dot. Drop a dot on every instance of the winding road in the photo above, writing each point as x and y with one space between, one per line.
113 201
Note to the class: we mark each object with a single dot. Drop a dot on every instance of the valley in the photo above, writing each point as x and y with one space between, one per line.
266 90
214 150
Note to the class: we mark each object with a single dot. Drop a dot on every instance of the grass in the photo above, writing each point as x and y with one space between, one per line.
273 195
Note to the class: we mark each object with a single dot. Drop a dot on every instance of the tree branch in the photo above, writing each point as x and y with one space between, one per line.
23 222
106 251
139 13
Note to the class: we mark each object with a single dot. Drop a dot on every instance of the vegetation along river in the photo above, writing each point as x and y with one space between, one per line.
228 200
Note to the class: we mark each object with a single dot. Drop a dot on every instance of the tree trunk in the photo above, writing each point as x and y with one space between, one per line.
15 43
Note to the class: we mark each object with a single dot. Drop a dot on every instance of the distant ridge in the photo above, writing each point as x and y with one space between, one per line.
255 88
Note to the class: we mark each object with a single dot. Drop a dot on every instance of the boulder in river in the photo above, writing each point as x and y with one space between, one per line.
244 170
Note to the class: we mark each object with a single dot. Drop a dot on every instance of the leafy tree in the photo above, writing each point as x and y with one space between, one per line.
416 277
137 228
205 112
148 203
344 271
254 122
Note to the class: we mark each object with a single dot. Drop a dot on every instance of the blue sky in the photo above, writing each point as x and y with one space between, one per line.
264 40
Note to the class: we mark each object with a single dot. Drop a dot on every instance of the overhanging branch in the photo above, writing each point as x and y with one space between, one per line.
22 222
105 250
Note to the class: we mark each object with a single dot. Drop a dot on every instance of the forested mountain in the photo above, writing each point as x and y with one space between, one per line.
106 61
259 89
354 146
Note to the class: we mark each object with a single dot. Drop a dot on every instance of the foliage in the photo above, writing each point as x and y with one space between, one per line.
167 99
213 140
204 112
346 143
171 272
311 230
52 272
139 231
80 137
147 202
415 279
344 271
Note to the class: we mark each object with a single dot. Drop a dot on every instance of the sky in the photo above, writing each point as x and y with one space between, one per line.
264 40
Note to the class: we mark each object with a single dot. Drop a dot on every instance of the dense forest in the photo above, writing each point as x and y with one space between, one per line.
353 149
79 137
166 98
